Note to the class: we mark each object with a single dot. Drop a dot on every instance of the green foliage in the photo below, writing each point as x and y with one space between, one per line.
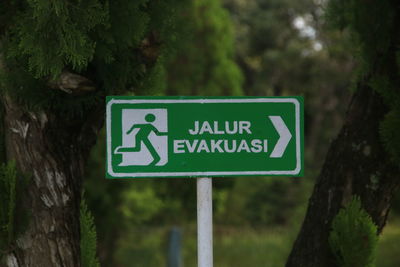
113 43
53 34
204 60
155 84
141 204
12 220
353 238
118 66
88 238
266 206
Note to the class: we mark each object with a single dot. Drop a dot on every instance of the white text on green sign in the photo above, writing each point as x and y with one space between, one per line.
174 137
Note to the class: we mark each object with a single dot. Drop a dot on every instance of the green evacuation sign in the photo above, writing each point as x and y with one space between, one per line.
184 137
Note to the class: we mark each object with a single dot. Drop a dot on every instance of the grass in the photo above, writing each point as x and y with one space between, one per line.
147 247
248 247
235 246
388 254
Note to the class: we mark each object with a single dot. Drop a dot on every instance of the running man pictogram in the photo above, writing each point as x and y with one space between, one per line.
142 136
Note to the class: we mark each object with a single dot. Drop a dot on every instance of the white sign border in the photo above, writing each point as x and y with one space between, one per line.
202 101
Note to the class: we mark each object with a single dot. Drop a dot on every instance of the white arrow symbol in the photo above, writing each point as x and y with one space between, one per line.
284 136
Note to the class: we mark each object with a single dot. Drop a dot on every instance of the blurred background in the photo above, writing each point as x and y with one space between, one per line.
240 48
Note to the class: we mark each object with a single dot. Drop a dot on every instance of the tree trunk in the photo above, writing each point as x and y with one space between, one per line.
356 164
51 149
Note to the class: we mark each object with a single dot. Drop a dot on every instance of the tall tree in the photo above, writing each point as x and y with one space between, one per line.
364 159
58 61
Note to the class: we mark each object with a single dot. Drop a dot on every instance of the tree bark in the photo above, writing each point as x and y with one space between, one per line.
52 150
356 164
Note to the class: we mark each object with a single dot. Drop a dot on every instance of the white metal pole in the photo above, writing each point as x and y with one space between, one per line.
204 222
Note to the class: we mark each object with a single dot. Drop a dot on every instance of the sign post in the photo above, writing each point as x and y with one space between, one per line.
204 222
204 137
